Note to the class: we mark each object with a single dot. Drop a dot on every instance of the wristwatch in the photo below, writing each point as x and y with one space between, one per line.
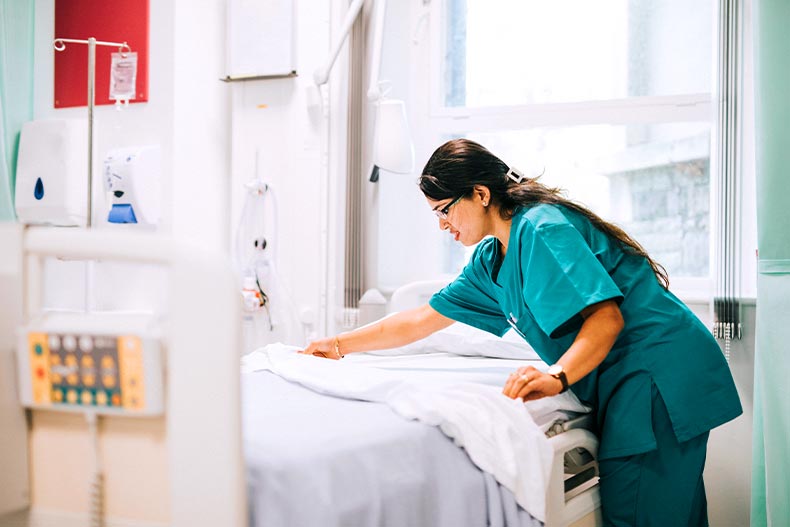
556 371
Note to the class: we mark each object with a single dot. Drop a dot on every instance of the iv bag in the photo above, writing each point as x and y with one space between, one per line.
123 76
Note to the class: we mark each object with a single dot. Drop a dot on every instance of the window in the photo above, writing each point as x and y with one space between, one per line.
608 100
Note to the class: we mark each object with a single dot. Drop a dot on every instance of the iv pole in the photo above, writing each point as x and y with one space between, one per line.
60 44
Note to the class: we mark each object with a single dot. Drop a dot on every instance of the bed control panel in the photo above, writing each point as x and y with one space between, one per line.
77 366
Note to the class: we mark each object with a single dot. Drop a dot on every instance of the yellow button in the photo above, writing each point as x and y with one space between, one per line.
107 362
54 359
108 381
87 361
71 360
101 398
72 378
57 396
88 379
87 397
71 396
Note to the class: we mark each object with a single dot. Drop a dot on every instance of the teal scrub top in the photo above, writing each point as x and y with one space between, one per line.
557 264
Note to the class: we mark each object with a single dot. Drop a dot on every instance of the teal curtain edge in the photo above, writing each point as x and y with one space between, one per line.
771 413
758 516
17 26
771 417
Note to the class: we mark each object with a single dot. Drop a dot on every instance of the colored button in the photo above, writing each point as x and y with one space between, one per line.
86 343
116 399
88 379
40 372
54 359
69 343
87 361
57 395
38 349
71 396
107 362
101 398
108 381
87 397
72 378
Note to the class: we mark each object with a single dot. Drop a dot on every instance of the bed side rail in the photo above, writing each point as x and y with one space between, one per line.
563 508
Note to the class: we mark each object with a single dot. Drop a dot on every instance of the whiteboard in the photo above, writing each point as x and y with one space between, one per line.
260 39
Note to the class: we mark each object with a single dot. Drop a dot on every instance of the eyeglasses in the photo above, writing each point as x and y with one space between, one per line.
442 213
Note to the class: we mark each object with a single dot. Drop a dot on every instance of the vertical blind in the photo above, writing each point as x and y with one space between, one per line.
353 276
727 305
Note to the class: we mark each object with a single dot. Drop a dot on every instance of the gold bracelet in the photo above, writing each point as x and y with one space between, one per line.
337 349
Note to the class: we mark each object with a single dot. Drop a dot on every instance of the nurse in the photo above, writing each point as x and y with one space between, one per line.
597 309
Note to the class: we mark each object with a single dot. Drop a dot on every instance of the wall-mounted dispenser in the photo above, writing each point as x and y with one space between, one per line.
51 176
131 176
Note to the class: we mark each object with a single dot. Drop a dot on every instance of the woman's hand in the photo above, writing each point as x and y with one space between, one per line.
528 383
322 348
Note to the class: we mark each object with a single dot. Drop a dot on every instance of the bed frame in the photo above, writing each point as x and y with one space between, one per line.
217 481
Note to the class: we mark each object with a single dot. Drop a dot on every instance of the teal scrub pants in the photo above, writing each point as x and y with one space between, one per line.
661 488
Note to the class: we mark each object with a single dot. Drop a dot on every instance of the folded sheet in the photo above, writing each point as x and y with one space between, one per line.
501 436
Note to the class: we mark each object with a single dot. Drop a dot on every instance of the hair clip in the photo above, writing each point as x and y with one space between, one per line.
516 175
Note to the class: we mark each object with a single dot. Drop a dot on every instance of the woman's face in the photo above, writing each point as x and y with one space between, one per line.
466 218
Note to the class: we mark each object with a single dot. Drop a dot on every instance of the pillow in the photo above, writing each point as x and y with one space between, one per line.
462 339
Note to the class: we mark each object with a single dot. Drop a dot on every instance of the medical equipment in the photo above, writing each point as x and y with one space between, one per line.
131 176
103 363
59 44
123 77
50 184
268 314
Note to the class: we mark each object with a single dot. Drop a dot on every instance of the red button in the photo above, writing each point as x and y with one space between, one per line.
40 372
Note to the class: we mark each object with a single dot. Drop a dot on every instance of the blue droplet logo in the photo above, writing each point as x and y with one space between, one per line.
38 192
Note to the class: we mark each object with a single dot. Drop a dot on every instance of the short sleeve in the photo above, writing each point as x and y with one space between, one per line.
562 276
470 298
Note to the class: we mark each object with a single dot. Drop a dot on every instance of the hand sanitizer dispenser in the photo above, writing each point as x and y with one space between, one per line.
52 173
131 176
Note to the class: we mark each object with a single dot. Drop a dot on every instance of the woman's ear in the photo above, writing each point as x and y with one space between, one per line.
482 193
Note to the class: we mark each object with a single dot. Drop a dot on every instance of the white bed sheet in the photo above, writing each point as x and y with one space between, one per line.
460 395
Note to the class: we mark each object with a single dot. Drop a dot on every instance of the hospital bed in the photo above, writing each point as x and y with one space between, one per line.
258 449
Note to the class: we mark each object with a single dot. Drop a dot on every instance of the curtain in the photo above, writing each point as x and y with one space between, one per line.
771 455
16 91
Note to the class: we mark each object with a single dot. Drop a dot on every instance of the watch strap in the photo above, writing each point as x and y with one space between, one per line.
562 378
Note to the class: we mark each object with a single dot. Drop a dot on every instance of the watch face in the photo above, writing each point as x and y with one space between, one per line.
555 369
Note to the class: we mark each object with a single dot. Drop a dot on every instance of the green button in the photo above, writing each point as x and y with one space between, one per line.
39 349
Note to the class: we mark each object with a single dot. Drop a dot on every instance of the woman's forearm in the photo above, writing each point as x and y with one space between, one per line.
602 324
394 331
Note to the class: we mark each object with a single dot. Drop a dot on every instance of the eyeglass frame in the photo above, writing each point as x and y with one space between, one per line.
442 213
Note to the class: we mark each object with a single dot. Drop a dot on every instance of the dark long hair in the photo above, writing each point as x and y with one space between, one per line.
458 165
